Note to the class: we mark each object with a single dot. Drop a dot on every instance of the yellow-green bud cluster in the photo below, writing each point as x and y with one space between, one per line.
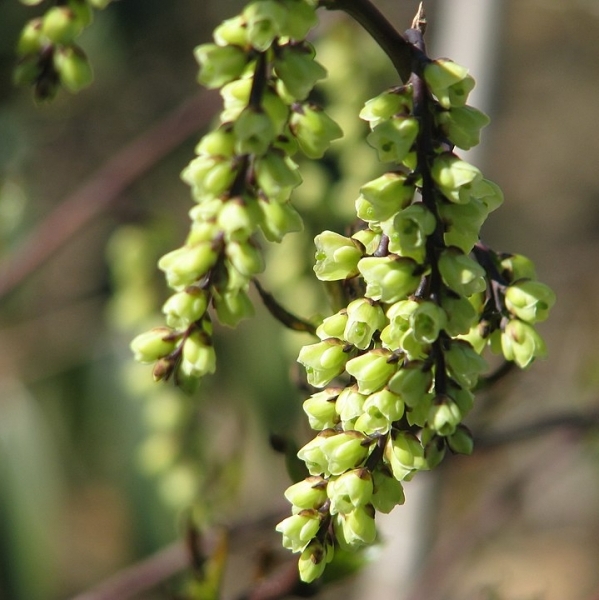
48 55
242 176
398 365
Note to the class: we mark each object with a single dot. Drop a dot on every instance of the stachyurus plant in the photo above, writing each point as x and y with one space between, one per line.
394 371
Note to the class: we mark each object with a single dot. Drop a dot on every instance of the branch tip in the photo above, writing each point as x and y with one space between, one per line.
419 23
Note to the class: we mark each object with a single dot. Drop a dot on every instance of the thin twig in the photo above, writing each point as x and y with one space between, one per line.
97 194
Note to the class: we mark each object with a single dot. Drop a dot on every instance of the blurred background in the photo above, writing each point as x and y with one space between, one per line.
99 466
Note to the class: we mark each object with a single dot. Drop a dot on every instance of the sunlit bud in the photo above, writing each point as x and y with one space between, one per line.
276 176
350 490
277 110
384 106
201 230
461 315
238 219
344 451
199 356
350 403
516 266
254 130
264 19
333 326
521 343
388 491
393 139
389 278
444 415
461 273
323 361
336 256
73 67
455 177
154 344
529 300
320 408
236 96
278 220
231 31
308 493
460 441
369 239
371 370
245 257
488 193
427 321
449 82
411 383
404 453
209 175
463 223
478 338
313 560
299 529
184 308
408 230
355 528
312 454
301 17
313 129
385 402
462 125
31 39
220 142
61 25
184 266
417 416
381 198
298 70
464 363
363 319
372 422
232 306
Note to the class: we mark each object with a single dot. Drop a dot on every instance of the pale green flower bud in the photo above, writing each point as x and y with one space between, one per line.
516 266
245 258
372 370
521 343
350 490
344 451
464 363
310 493
350 404
276 176
154 344
299 529
463 223
31 39
236 96
201 230
298 70
199 357
301 17
381 198
277 110
232 306
219 64
449 82
462 125
388 492
372 422
320 408
312 454
369 239
461 273
184 266
393 139
427 321
323 361
356 528
313 129
386 403
408 230
209 175
184 308
389 278
488 193
278 220
61 25
363 319
455 177
73 68
313 560
417 416
336 256
384 106
232 31
254 130
460 441
333 326
444 416
404 454
264 19
220 142
238 219
461 315
412 383
529 300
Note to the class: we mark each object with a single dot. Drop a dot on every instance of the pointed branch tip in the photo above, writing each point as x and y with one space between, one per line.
419 22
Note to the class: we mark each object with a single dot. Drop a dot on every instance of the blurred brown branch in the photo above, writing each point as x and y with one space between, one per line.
105 186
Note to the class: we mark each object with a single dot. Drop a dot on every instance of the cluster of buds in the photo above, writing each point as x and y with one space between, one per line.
48 54
241 179
398 365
